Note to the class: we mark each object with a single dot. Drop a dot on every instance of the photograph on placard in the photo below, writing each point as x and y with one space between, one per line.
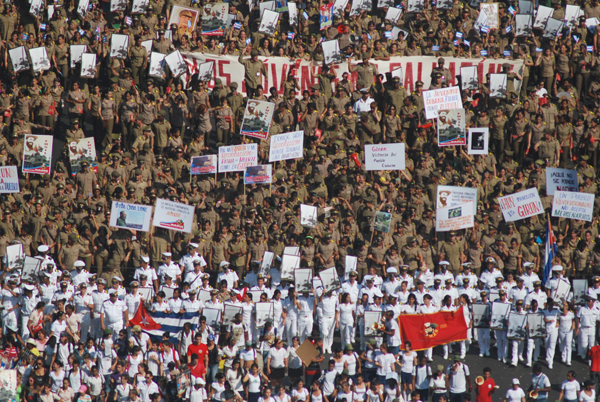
451 127
205 71
259 174
229 313
257 119
385 3
264 312
541 18
130 216
292 14
517 326
572 13
204 164
325 17
331 51
39 59
445 4
382 221
469 78
268 22
140 6
580 287
478 143
118 5
338 7
373 324
15 256
37 153
80 152
415 6
288 264
536 325
88 65
303 279
118 46
36 8
481 315
553 28
393 14
18 58
157 65
176 63
561 292
524 25
330 279
213 318
186 18
500 312
526 7
498 85
77 52
31 269
308 216
491 12
214 18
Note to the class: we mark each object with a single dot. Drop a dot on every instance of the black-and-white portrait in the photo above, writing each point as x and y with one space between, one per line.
303 279
148 45
15 256
469 78
560 293
536 325
331 51
357 6
118 46
553 27
39 59
478 141
88 65
572 14
293 14
415 6
31 267
517 326
176 63
526 7
330 279
498 85
118 5
157 65
481 315
139 6
524 25
267 261
580 287
205 71
268 23
267 5
308 215
541 18
37 8
83 7
385 3
500 313
18 58
213 318
393 14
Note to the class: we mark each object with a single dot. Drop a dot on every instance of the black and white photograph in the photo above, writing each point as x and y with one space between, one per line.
491 12
481 315
229 312
543 13
478 141
373 323
88 65
39 59
553 27
15 256
264 313
157 65
118 46
205 71
292 250
139 6
397 72
293 14
267 261
536 326
77 51
580 287
31 268
267 5
572 14
213 318
393 14
176 63
330 279
415 6
517 326
350 266
288 264
331 52
18 58
118 5
303 279
385 3
523 24
37 8
498 85
338 7
444 4
268 23
561 292
82 7
500 313
469 78
308 216
526 7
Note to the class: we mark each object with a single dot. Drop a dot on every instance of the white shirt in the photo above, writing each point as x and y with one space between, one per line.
113 312
362 105
147 389
571 389
514 395
149 272
277 357
458 381
132 301
231 277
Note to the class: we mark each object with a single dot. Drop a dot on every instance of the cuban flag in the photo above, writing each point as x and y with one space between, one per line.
590 49
467 43
237 25
483 52
507 53
388 34
42 27
512 10
459 35
456 43
435 48
485 29
290 35
508 28
156 324
550 252
128 20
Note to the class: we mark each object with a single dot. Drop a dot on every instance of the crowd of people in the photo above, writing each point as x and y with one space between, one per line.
68 333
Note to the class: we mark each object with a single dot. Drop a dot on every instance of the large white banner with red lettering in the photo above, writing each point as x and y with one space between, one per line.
228 69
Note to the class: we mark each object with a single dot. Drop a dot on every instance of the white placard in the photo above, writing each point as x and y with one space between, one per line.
235 158
118 5
288 264
469 78
83 7
268 23
553 28
449 196
308 216
498 85
521 205
543 13
572 14
130 216
393 14
385 157
77 52
267 260
526 7
291 250
351 264
31 268
397 72
558 179
140 7
523 24
329 279
173 215
264 313
331 52
157 65
118 46
176 63
88 65
478 141
303 279
286 146
573 205
15 256
39 59
441 99
148 45
9 179
205 71
338 7
37 8
18 57
293 14
454 218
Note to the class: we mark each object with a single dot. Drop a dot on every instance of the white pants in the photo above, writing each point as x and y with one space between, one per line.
533 349
327 327
305 325
428 353
86 321
483 338
517 351
279 327
347 334
564 343
551 338
587 339
501 344
24 329
116 327
291 328
447 350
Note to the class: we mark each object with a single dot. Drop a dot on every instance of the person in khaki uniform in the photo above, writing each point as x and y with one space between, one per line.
70 252
236 253
254 69
452 252
549 148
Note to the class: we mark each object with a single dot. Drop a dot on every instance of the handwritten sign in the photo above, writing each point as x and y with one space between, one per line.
173 215
441 99
236 158
455 217
384 157
561 180
286 146
521 205
9 179
573 205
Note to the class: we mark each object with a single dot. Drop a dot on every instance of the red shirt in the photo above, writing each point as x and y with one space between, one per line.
201 350
485 390
595 356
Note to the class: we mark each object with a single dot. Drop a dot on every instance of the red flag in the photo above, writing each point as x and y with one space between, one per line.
354 157
425 331
242 295
143 319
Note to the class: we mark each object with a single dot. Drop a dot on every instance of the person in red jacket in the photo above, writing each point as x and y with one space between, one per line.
594 354
485 386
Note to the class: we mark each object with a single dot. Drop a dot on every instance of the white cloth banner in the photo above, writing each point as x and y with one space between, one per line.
173 215
236 158
561 180
414 68
521 205
454 218
573 205
385 157
9 179
449 196
286 146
